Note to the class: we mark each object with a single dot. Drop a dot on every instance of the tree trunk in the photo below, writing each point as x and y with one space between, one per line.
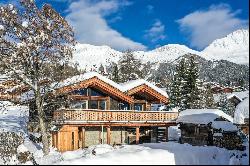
41 116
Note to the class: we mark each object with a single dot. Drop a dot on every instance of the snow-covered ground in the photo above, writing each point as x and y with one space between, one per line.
169 153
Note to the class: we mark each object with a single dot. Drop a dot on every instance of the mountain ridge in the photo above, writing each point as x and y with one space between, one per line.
233 47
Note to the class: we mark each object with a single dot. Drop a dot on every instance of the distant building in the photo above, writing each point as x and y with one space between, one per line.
208 127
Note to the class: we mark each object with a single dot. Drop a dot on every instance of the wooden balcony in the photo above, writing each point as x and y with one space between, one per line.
115 117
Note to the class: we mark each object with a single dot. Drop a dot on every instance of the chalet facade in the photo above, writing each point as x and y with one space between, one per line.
94 110
210 127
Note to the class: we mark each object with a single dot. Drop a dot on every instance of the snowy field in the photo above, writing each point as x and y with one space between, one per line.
169 153
14 119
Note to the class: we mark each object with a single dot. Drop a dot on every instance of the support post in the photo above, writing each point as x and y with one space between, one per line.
83 137
102 136
137 135
166 133
108 135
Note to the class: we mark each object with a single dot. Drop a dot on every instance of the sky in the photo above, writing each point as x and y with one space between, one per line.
148 24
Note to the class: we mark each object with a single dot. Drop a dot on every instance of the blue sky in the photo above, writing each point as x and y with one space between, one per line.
147 24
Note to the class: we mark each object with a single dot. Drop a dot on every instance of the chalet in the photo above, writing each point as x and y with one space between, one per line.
5 84
208 127
94 110
231 97
241 116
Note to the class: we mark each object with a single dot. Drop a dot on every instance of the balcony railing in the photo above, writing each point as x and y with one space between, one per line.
80 115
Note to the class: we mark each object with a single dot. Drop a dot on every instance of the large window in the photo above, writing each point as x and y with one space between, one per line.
94 104
82 92
102 105
79 105
123 106
98 104
138 107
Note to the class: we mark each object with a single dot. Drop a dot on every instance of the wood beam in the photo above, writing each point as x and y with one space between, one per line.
137 139
83 137
166 133
108 135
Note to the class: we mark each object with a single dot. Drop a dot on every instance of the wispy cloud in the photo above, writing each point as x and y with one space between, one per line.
156 32
204 26
88 20
150 9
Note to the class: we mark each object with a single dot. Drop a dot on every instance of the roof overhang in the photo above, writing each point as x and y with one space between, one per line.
148 91
99 84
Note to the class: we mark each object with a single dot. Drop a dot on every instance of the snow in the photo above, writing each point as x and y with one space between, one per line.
1 27
241 111
25 24
169 153
135 83
240 95
205 116
14 118
86 76
233 48
224 126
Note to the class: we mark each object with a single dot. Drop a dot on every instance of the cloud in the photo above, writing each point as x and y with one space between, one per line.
150 9
88 20
156 32
204 26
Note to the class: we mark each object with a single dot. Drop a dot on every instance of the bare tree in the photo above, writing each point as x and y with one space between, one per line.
33 42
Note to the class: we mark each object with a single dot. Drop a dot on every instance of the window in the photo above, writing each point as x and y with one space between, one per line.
123 106
96 93
82 92
79 105
138 107
102 105
94 104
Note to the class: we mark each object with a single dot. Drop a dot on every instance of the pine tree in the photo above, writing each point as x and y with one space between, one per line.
129 67
176 85
226 106
101 70
115 74
193 85
208 97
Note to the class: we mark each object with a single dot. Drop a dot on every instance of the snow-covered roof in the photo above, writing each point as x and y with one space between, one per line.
241 111
205 116
240 95
135 83
86 76
3 77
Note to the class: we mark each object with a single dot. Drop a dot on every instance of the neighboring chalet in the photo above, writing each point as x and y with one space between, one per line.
208 127
5 85
241 116
92 109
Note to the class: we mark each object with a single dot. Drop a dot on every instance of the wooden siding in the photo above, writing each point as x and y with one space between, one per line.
113 116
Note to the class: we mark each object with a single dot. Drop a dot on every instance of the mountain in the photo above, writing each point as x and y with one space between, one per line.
234 48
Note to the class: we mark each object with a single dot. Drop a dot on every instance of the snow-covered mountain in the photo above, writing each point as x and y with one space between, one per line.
234 48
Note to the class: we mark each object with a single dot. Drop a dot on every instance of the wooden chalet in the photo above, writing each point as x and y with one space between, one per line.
98 110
